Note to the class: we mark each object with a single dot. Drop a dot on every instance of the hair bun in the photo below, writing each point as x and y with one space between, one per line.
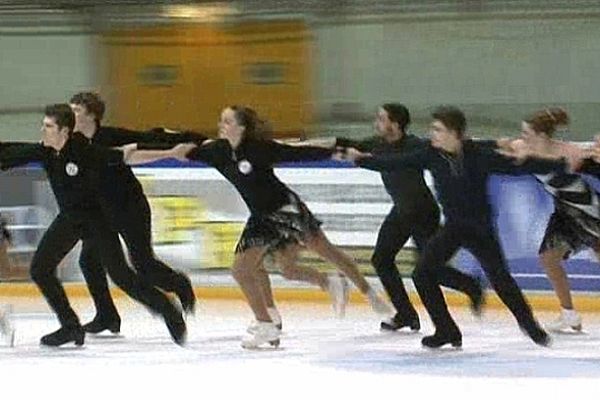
558 115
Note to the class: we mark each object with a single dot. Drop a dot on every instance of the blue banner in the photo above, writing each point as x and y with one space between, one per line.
522 209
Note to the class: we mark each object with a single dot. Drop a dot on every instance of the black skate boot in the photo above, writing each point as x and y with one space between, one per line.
185 292
398 322
64 335
477 298
536 333
99 324
440 338
176 325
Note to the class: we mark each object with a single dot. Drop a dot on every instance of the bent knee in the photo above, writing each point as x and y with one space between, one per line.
552 259
383 260
289 272
38 272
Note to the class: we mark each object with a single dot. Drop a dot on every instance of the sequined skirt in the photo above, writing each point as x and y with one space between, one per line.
288 225
571 229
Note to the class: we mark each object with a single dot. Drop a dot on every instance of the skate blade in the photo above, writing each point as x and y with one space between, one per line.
569 332
399 332
446 347
269 346
65 347
104 336
443 349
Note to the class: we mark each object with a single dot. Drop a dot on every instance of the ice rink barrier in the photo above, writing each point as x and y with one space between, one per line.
352 203
198 216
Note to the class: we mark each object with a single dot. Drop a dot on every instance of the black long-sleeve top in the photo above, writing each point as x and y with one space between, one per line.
118 182
73 172
250 168
406 187
461 181
590 167
112 136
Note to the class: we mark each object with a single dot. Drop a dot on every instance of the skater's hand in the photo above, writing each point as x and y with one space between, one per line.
127 150
353 155
505 144
516 149
180 151
593 153
338 154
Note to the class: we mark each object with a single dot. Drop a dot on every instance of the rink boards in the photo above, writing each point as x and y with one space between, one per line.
352 203
198 216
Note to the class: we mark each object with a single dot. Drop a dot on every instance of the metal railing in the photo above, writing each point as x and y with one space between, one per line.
20 12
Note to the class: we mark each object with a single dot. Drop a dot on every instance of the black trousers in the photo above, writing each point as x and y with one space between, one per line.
132 220
62 235
481 240
393 234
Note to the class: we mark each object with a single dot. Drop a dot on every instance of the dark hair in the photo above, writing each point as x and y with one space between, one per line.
547 120
397 113
255 128
452 118
62 115
92 102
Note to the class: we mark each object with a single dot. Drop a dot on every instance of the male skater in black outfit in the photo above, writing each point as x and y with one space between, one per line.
72 166
460 168
415 213
125 204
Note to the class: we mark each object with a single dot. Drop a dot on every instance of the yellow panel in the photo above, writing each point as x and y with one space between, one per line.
182 76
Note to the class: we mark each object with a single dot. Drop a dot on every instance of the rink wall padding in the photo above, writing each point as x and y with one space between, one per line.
352 203
198 216
585 302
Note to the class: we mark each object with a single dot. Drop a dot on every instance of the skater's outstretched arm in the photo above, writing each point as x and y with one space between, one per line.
154 138
591 163
365 145
418 159
15 154
278 152
523 161
133 156
326 142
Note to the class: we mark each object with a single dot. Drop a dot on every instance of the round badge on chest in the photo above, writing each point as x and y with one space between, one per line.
71 169
245 167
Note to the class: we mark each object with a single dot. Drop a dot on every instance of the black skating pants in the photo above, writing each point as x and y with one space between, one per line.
396 229
481 240
62 235
132 220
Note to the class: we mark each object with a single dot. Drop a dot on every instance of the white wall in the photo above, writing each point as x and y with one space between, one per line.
496 67
39 67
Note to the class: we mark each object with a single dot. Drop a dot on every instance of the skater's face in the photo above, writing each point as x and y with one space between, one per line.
383 125
442 137
52 135
229 128
83 117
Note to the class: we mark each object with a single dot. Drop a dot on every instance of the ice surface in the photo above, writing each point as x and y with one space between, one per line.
320 356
